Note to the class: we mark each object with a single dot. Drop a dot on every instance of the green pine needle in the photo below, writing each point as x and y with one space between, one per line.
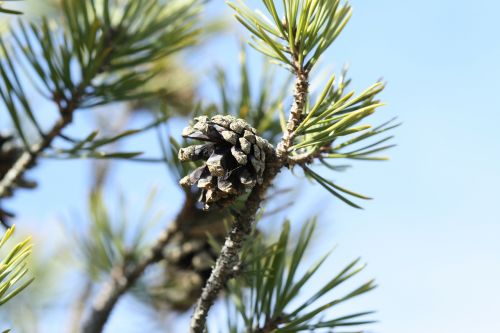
297 36
13 267
268 292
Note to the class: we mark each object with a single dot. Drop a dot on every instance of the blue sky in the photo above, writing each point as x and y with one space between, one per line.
431 236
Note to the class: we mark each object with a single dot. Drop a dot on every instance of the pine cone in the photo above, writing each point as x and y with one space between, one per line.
189 264
235 158
9 153
192 254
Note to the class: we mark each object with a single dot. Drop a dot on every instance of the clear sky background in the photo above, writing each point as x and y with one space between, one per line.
431 237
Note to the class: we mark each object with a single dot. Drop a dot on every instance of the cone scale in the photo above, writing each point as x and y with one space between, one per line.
234 155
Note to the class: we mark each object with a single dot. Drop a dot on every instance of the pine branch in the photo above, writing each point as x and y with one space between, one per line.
228 260
29 157
295 35
66 111
229 256
296 42
125 276
113 59
242 226
122 279
276 159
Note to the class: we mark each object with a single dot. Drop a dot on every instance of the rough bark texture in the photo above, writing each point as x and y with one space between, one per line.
228 261
299 102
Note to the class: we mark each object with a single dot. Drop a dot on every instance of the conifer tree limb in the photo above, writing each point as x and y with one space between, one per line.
228 262
242 227
28 158
122 279
125 276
